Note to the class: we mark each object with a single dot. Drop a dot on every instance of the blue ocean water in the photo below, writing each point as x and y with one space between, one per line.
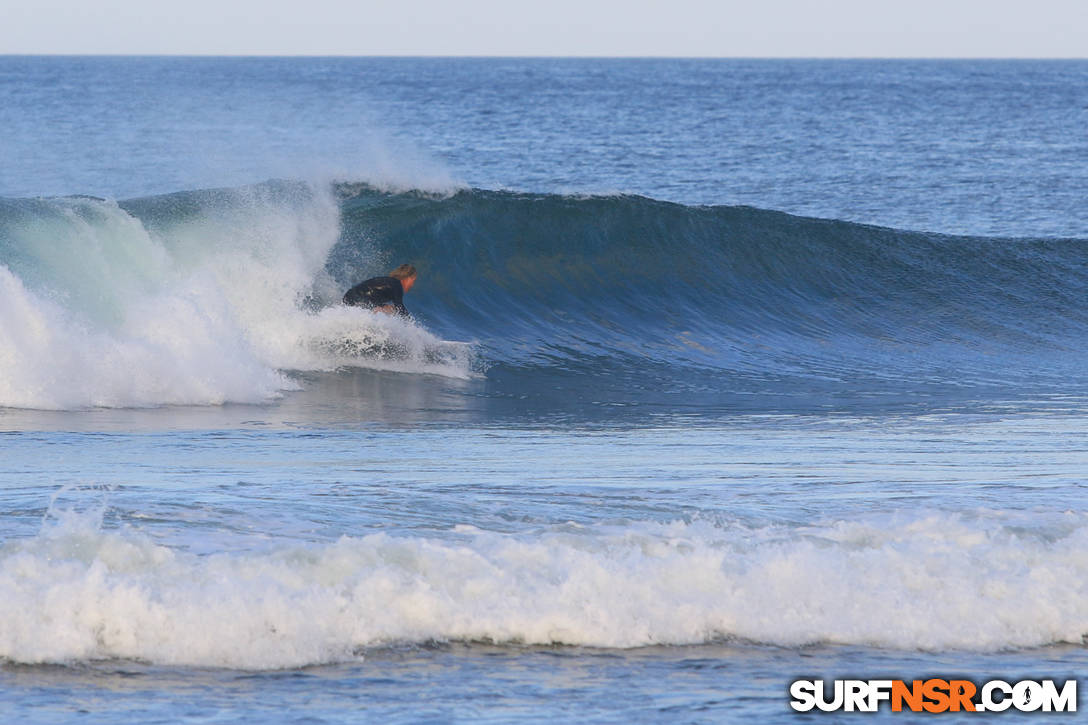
766 370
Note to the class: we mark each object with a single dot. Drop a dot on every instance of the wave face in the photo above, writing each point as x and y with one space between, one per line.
646 295
211 296
77 592
190 298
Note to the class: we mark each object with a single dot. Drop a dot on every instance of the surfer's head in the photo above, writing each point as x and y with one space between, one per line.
406 273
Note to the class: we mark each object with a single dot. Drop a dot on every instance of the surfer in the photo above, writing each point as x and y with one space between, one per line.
384 294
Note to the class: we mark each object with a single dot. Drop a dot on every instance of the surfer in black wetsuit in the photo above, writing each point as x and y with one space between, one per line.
385 294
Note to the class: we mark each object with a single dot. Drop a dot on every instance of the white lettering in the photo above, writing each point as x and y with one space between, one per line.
1064 701
856 696
1027 696
879 691
989 704
803 693
833 705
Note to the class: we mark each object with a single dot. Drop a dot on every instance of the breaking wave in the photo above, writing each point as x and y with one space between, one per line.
217 296
77 592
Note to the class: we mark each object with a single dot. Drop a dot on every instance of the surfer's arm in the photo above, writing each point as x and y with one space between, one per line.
396 292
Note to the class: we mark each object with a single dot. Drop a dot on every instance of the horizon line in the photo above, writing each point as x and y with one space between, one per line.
544 57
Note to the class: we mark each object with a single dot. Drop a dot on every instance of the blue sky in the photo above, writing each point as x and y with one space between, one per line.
754 28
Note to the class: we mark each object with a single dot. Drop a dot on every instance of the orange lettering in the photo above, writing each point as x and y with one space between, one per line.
961 692
936 691
911 695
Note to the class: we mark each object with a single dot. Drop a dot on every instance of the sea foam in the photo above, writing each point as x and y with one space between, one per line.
76 592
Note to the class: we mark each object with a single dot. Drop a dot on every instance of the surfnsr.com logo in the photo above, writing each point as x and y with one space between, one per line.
933 695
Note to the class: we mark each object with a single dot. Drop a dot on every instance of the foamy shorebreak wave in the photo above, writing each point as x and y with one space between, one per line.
76 592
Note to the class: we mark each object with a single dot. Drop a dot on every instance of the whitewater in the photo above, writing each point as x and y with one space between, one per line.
103 309
719 375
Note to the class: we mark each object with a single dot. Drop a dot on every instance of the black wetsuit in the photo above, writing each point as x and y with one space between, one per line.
378 292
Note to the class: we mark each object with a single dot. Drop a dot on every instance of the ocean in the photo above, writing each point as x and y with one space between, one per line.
721 374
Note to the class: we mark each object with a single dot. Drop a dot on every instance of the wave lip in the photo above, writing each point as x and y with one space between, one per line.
936 582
